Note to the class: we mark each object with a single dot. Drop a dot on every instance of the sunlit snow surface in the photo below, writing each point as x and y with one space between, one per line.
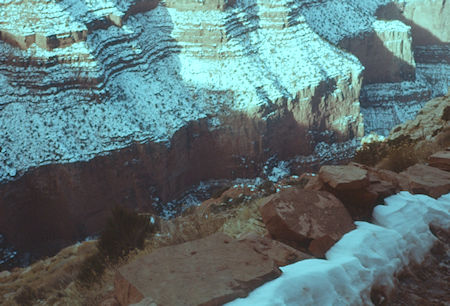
147 91
364 257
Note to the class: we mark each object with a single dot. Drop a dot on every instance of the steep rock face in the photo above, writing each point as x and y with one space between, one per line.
153 103
416 13
386 105
386 52
383 47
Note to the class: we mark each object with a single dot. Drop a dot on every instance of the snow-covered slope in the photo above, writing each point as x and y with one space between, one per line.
364 258
146 79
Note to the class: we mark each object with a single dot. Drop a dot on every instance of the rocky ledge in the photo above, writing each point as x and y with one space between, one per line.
302 223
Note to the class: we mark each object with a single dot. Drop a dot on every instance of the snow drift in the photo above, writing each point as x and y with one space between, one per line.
364 258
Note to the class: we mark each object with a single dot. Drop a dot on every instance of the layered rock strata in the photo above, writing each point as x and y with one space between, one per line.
383 47
387 105
114 119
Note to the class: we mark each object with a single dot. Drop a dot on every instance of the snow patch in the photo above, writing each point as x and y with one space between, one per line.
364 257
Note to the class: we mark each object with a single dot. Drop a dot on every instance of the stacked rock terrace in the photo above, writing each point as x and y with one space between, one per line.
95 64
178 77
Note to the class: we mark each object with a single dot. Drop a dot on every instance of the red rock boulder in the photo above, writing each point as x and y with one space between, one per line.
298 217
422 179
350 185
348 177
360 188
440 160
209 271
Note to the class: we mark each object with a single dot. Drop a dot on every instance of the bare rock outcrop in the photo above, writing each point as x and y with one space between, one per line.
155 102
209 271
440 160
425 30
383 47
359 188
422 179
386 52
302 218
428 122
344 177
62 23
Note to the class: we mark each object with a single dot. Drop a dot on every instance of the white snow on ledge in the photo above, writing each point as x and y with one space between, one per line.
365 257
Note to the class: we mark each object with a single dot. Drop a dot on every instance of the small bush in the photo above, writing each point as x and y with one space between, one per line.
395 155
446 114
124 231
400 154
27 296
268 188
91 269
371 153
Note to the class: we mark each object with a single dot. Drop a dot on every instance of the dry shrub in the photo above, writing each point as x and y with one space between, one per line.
91 269
268 188
446 114
399 158
443 138
124 231
246 219
395 155
188 228
217 192
371 153
28 296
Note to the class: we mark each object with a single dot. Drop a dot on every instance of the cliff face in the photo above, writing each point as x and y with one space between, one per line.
416 13
383 47
220 88
386 105
132 102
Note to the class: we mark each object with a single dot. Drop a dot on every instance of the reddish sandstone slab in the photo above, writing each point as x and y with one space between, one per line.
297 216
209 271
440 160
348 177
422 179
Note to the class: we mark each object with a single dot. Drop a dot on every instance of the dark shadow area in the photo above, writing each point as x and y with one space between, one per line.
420 35
381 65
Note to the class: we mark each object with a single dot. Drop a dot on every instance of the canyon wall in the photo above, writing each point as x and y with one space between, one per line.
387 105
147 106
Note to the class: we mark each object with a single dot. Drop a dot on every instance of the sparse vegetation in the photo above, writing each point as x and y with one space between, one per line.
91 269
395 155
400 157
400 153
124 232
27 296
268 188
446 114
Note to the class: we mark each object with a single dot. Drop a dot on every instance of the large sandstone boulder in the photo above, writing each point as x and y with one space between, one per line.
440 160
344 177
424 179
298 217
350 185
358 187
209 271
